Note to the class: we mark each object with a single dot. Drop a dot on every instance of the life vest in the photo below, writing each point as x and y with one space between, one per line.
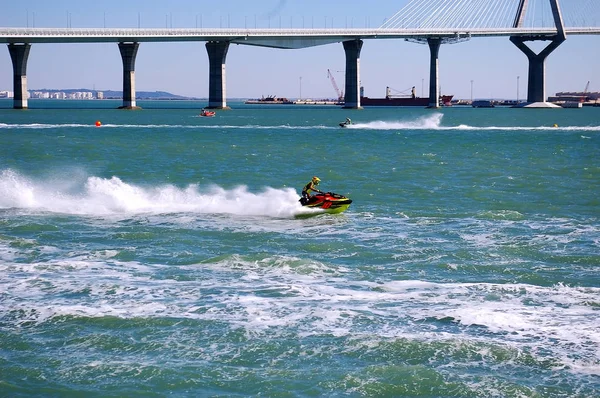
309 187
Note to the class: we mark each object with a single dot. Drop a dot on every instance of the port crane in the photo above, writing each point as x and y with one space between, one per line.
584 96
340 94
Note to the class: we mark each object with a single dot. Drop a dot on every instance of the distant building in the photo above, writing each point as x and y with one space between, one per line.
99 95
575 96
40 94
80 95
6 94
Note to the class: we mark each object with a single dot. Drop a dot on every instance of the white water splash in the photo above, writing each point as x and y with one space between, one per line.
106 196
428 122
311 298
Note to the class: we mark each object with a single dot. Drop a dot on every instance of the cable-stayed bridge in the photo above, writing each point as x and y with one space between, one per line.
431 22
494 15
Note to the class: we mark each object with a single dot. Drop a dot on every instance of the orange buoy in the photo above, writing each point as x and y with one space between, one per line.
98 123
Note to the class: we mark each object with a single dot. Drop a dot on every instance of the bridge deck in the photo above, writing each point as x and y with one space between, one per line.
278 38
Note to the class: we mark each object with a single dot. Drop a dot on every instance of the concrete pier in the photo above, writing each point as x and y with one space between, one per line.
19 54
352 86
434 66
128 54
217 54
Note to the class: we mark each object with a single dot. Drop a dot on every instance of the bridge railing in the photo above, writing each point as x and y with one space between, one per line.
277 38
236 32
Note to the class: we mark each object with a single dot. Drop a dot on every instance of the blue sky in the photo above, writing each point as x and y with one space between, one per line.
493 64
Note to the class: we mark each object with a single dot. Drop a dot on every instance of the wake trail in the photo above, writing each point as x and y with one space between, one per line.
97 196
428 122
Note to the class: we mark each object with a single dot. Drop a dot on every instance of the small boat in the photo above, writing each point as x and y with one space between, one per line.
330 202
207 113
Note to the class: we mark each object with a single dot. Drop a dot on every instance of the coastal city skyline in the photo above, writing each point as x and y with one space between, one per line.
478 68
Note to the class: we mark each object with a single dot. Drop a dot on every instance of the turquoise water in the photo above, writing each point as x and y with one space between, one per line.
166 254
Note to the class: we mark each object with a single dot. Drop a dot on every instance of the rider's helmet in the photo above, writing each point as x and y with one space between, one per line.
316 180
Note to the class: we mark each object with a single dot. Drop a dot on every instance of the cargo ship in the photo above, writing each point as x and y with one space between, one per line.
271 99
401 100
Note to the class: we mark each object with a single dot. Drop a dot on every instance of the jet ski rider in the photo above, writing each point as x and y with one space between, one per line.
311 186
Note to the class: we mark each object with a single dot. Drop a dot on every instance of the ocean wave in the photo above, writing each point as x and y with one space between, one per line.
278 295
429 122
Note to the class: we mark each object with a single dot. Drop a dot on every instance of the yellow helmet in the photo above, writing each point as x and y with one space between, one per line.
316 180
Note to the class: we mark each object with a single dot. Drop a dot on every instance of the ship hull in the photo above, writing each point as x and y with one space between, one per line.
270 100
261 102
445 100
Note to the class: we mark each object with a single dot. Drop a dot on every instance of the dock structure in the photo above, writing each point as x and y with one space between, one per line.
422 21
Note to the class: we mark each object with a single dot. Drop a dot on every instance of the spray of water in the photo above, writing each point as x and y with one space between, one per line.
106 196
427 122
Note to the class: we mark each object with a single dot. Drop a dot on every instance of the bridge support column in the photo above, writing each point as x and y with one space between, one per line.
217 83
352 85
128 54
536 83
19 54
434 91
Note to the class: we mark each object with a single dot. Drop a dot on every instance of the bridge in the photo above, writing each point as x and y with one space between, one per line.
431 22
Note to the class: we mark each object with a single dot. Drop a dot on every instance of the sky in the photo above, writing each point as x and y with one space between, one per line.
486 67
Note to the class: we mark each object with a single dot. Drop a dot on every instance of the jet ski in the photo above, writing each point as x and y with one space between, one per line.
330 202
345 123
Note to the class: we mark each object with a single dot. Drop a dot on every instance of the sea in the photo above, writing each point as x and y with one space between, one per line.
155 253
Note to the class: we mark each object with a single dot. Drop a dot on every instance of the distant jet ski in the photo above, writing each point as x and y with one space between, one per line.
346 123
330 202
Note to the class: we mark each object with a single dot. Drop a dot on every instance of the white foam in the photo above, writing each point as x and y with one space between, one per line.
38 126
275 293
429 122
106 196
523 128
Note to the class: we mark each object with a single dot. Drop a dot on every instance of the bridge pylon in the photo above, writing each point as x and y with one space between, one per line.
217 54
434 67
536 83
19 54
352 85
128 53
